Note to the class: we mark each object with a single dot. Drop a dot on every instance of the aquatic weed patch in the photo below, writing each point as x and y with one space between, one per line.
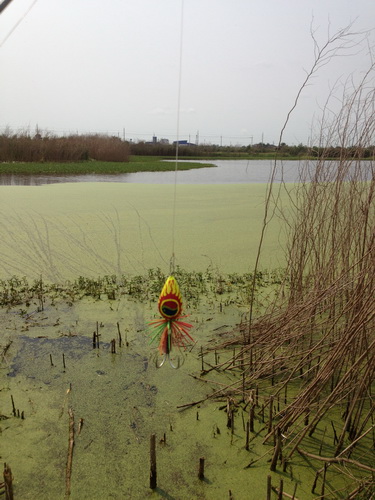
15 291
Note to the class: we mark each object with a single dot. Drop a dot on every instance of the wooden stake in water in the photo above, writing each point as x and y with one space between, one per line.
119 334
277 451
97 334
113 346
229 415
247 435
153 475
269 487
13 406
8 482
251 416
201 468
281 488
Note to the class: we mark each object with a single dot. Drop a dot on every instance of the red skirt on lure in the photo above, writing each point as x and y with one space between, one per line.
170 331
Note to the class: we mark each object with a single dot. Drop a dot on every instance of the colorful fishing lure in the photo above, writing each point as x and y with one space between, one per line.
170 331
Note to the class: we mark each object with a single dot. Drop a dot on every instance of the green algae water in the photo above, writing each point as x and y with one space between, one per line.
62 231
49 364
118 400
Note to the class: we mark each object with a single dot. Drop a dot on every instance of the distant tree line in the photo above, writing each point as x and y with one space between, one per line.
49 148
23 147
261 149
165 149
334 152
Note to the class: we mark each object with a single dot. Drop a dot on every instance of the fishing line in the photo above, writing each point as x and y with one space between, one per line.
172 261
171 330
17 23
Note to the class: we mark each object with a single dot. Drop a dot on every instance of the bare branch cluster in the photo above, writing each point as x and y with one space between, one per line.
314 348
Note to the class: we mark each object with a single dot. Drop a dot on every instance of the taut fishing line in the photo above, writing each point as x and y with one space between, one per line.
172 261
170 331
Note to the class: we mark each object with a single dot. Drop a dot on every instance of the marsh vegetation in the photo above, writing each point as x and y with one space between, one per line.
312 354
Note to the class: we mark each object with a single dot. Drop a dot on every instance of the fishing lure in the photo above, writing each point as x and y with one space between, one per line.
170 331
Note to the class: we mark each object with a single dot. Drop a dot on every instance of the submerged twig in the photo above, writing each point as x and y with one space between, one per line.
69 462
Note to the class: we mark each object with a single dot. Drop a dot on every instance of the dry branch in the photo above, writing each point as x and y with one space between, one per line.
337 460
69 462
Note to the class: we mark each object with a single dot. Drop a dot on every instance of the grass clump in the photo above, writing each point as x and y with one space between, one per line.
98 167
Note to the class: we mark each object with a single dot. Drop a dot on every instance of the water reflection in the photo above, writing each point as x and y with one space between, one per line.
39 180
225 172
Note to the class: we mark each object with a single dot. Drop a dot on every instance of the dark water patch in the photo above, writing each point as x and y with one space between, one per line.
38 353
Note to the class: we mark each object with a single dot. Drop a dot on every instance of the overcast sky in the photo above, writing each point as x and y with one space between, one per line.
113 66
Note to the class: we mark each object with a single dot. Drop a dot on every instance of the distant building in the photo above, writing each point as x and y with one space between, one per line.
155 141
183 143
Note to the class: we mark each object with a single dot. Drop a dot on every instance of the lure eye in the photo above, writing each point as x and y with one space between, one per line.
170 308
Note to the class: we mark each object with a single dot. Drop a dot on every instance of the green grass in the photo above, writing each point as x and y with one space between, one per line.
136 164
250 156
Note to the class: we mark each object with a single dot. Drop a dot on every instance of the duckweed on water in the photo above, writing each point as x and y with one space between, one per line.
118 400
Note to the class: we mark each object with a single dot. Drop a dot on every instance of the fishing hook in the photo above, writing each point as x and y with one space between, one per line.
159 365
166 357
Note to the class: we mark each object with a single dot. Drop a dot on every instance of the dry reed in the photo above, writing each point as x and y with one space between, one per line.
316 341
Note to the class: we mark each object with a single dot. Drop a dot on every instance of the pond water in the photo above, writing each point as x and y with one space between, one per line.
104 225
225 172
75 229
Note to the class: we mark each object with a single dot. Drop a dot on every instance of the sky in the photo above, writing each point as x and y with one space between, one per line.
217 71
